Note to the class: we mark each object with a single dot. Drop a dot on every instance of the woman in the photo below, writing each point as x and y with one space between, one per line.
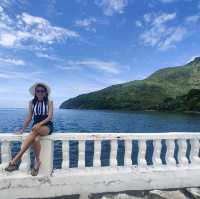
42 109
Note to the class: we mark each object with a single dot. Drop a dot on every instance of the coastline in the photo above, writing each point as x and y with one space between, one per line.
127 110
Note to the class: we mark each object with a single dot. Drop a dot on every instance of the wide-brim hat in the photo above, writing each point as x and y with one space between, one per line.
32 88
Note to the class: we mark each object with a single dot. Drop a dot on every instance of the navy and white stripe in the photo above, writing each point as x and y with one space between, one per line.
40 108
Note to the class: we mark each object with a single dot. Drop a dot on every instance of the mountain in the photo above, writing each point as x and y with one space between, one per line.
144 94
188 102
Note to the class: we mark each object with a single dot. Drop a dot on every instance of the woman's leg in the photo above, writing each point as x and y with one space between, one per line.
37 148
29 139
42 131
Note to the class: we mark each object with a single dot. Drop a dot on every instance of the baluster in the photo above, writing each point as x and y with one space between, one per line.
194 153
81 152
25 161
141 153
46 154
5 154
183 161
65 154
128 152
113 153
170 160
97 153
156 153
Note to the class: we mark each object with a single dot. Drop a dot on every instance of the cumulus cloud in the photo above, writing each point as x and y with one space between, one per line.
159 33
176 36
138 23
112 6
35 76
192 19
86 23
12 61
27 30
6 3
109 66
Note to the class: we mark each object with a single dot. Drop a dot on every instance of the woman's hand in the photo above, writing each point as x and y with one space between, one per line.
36 126
20 131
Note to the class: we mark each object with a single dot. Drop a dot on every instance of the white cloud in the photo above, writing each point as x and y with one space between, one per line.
12 61
109 67
43 55
26 31
51 57
177 35
138 23
192 19
7 39
192 58
112 6
86 23
147 17
35 76
159 33
163 18
6 3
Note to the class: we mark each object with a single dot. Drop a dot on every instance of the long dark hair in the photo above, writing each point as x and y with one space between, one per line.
35 99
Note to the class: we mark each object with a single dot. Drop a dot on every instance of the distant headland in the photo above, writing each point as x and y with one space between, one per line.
168 89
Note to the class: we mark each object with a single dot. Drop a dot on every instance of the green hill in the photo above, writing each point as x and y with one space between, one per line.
142 94
188 102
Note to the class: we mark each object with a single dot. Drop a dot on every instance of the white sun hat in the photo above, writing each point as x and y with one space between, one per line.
32 88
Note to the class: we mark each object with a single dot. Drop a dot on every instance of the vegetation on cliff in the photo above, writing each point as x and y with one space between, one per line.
172 88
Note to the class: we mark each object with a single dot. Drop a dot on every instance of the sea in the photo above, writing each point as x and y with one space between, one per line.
79 121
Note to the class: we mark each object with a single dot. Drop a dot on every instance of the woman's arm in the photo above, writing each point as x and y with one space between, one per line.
29 117
50 113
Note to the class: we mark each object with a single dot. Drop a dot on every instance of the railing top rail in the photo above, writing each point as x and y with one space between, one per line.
127 136
106 136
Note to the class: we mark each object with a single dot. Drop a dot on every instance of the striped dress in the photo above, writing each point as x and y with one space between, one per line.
40 112
40 108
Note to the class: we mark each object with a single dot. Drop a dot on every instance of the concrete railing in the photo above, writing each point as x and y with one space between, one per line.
179 166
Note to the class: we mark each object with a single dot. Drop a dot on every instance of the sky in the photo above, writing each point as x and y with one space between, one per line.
80 46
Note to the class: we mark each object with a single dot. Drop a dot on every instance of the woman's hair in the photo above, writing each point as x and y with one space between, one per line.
35 99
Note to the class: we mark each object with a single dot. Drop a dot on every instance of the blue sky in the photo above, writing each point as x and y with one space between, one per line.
81 46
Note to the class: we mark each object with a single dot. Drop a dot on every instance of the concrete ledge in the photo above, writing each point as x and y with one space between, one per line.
76 181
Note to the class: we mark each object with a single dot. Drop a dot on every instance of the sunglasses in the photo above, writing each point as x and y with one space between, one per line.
40 91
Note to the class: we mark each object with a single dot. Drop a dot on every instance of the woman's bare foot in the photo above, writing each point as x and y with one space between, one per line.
11 166
37 164
12 162
36 167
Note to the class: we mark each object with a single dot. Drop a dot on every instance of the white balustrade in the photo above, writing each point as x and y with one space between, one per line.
170 161
25 163
47 143
128 153
97 153
183 161
156 153
195 145
113 152
141 153
25 160
5 153
65 154
81 152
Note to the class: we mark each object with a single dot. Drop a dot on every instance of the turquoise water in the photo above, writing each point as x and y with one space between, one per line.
11 120
69 120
